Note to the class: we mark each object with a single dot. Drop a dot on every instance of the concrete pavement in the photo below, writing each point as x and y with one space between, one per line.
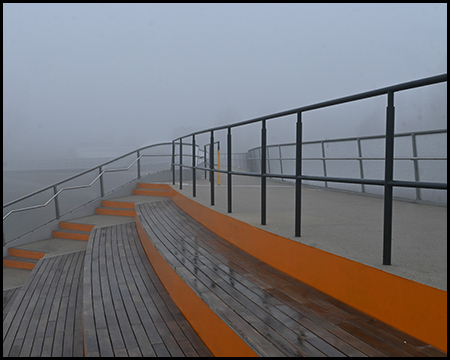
346 224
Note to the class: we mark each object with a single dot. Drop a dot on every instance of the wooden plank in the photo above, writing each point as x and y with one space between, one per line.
282 305
123 312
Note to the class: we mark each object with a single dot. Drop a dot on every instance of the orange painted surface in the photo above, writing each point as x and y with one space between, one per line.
115 212
148 192
70 236
118 204
75 226
416 309
28 254
217 336
18 264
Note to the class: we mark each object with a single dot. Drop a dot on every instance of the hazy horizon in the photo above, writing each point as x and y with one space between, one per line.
101 76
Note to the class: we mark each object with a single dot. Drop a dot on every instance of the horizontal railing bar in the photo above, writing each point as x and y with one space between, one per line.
399 183
356 138
80 174
359 158
364 95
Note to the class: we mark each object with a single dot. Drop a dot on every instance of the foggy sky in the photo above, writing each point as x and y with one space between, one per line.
75 75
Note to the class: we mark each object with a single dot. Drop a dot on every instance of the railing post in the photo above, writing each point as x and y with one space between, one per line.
416 164
281 161
181 164
324 163
139 164
173 162
388 177
361 169
102 189
205 162
263 171
193 168
229 169
211 166
298 174
56 202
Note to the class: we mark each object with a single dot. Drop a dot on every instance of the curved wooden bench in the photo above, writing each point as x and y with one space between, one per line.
271 312
126 310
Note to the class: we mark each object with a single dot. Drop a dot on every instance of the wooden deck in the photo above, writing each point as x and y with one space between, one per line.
275 314
105 301
126 310
45 317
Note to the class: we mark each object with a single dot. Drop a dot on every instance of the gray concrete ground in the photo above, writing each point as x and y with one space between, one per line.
345 224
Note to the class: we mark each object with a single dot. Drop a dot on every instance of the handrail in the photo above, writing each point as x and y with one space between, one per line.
73 187
83 173
388 183
382 91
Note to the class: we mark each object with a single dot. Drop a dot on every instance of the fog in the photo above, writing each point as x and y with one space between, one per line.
87 77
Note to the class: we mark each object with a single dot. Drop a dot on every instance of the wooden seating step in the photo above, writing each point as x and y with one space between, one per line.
126 310
45 317
282 316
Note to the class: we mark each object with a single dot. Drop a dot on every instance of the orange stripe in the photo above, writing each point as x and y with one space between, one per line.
115 212
18 264
118 204
217 336
416 309
75 226
70 236
29 254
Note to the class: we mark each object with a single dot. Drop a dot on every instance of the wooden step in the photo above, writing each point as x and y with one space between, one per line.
115 212
72 235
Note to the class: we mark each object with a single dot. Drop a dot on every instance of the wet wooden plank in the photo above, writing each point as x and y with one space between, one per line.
273 303
130 316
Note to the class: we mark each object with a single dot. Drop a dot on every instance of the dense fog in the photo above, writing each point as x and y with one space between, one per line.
86 80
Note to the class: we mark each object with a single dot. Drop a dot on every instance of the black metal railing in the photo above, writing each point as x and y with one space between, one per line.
388 182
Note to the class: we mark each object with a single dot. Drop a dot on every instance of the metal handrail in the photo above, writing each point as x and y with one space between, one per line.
72 188
388 183
85 172
368 94
78 175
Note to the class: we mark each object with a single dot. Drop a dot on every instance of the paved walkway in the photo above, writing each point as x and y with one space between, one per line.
349 225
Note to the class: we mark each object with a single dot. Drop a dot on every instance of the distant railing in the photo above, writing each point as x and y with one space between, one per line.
280 159
105 186
388 182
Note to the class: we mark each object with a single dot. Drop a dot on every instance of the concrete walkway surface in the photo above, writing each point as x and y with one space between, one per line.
346 224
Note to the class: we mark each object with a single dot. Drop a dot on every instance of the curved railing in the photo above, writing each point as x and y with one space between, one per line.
354 159
388 182
101 169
